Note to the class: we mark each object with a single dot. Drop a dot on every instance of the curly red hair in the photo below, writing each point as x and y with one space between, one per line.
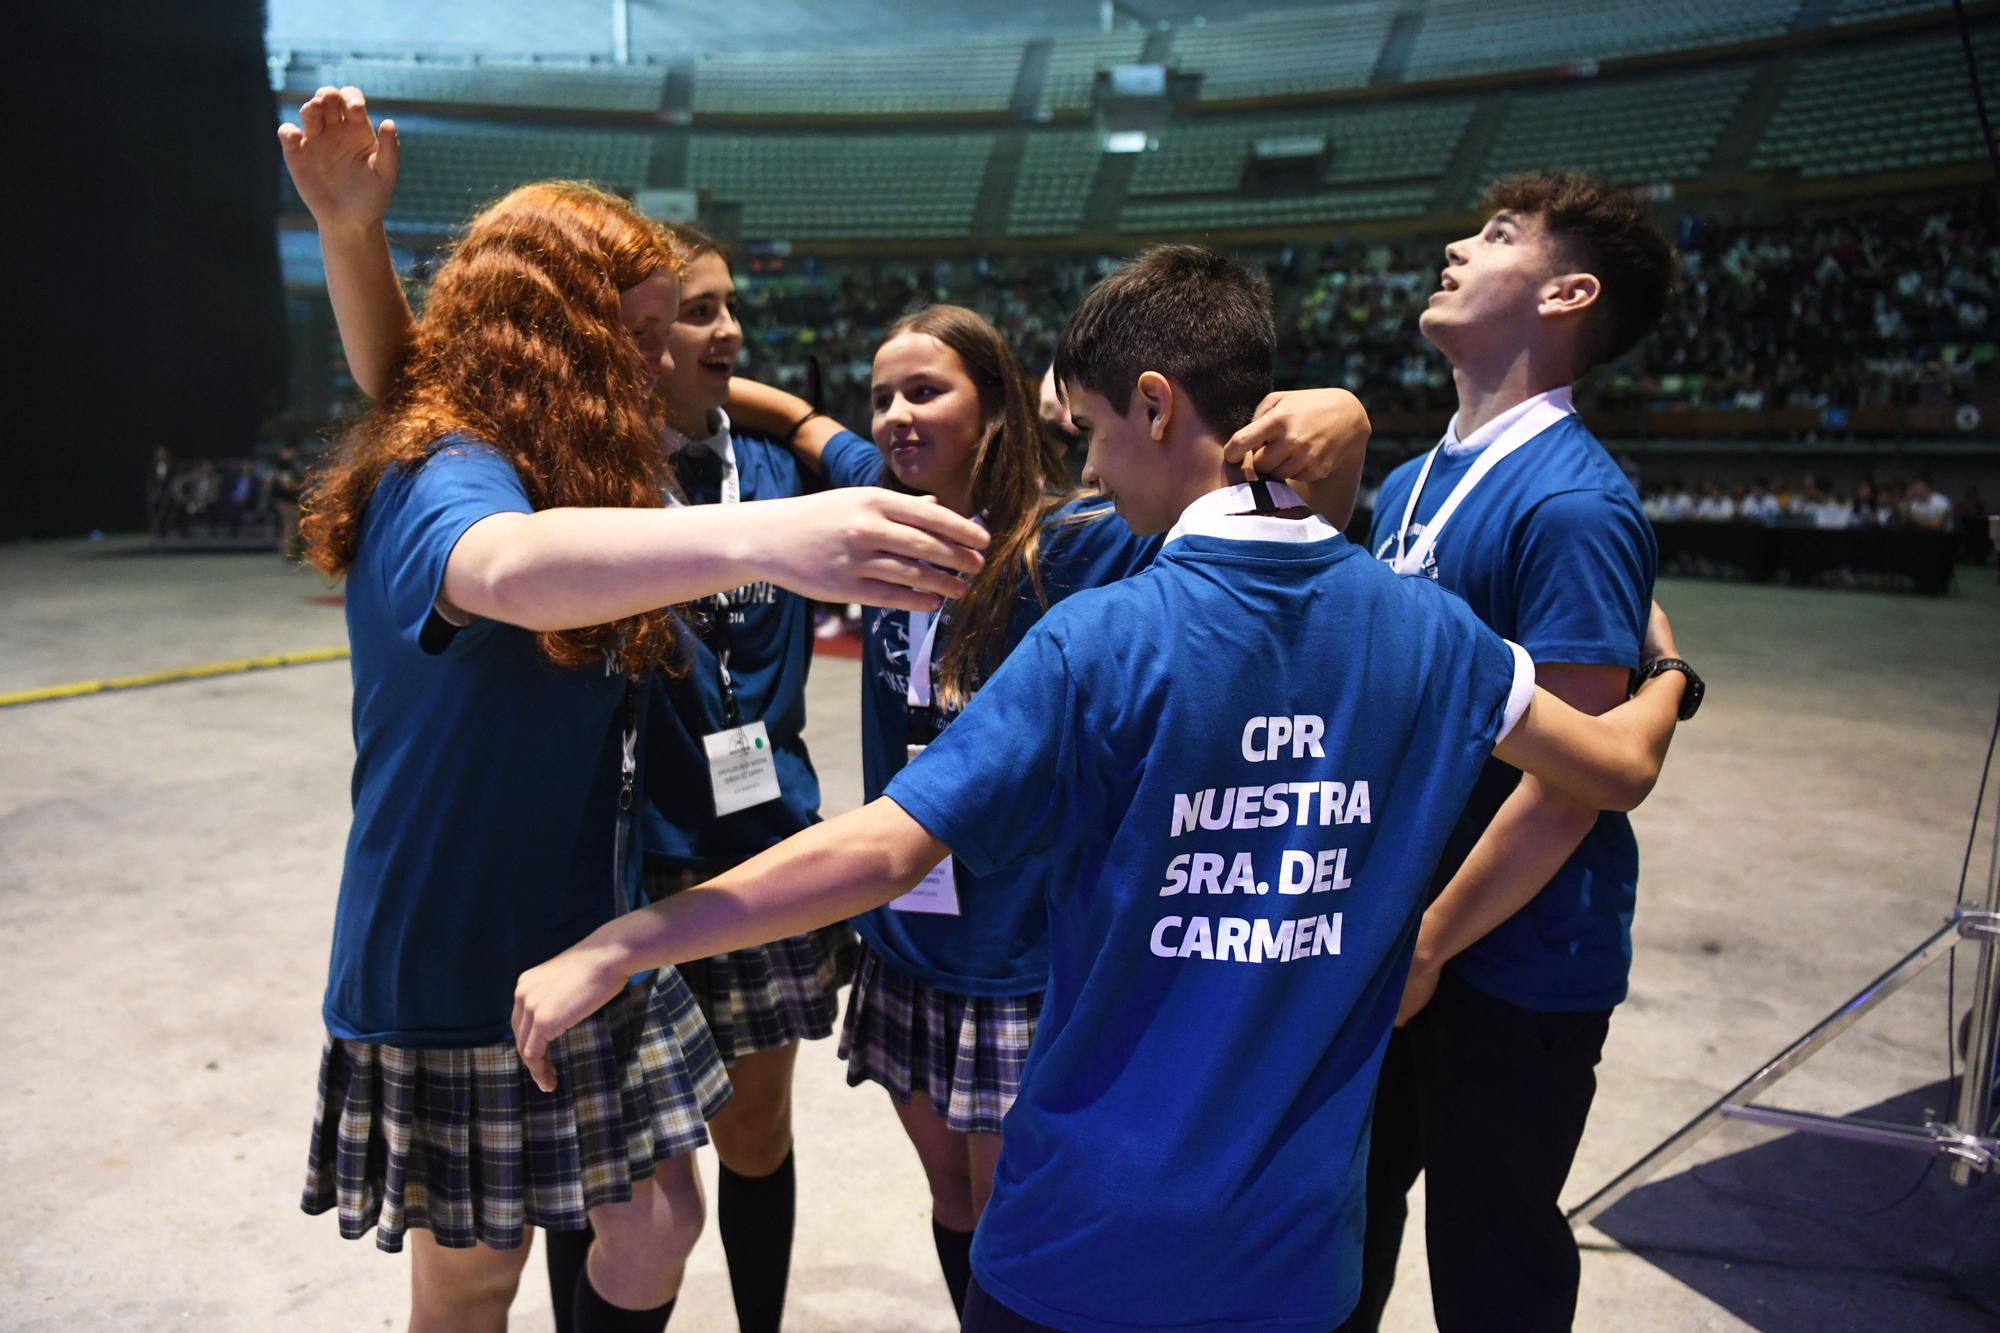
521 345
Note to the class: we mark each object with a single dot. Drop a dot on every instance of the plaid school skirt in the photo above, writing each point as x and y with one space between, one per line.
462 1142
769 995
964 1052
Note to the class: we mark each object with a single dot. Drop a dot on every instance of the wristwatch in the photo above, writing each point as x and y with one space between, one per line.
1690 699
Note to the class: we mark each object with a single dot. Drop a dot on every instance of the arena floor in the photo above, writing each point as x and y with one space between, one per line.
169 856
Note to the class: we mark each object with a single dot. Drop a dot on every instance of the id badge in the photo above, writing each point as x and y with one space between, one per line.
741 768
937 892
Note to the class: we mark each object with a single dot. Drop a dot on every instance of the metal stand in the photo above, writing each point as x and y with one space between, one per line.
1968 1140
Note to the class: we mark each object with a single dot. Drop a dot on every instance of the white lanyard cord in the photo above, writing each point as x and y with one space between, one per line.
1529 427
919 690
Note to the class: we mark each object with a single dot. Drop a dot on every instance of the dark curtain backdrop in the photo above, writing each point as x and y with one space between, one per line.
145 278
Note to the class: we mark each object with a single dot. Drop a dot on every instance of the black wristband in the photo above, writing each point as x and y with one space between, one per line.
792 431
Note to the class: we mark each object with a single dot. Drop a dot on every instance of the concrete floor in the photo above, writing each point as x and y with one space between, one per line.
168 862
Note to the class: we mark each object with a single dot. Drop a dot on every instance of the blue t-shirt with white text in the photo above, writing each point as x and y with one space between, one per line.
1552 551
485 780
998 943
1245 761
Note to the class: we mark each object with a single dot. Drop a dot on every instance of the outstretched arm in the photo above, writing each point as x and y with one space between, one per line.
559 569
1313 440
345 172
767 410
845 866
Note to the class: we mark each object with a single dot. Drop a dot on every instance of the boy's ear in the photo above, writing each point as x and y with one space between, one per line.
1156 397
1569 294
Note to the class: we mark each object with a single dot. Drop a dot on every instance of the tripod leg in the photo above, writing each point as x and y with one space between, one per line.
1784 1063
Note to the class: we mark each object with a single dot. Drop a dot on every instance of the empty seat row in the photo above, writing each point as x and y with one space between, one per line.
883 81
1880 106
1464 37
1292 51
818 186
1396 142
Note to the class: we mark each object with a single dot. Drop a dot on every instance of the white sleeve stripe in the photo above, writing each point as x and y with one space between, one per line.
1521 694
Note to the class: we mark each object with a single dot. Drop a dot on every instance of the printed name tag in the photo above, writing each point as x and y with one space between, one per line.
937 892
741 768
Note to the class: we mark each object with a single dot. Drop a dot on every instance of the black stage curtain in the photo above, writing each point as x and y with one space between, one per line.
146 289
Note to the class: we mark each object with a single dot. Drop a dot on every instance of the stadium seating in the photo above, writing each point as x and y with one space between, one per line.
1635 131
881 82
1879 106
1305 50
449 171
1195 216
1862 11
500 83
805 186
1074 62
1057 170
1402 141
1464 37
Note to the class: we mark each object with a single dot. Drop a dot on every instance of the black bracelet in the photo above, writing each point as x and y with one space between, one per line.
792 433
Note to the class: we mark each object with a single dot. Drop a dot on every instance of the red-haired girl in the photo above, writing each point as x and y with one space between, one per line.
509 559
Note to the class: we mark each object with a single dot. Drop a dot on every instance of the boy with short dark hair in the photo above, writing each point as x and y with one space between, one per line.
1249 754
1521 512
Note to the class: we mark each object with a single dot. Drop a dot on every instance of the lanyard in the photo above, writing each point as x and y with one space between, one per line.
628 785
1531 423
921 696
720 446
925 720
719 634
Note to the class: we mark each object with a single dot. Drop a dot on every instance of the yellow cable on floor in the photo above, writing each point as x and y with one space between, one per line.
78 689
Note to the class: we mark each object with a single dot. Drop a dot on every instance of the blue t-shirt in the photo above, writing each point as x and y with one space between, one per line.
998 943
1553 552
769 638
1245 761
485 781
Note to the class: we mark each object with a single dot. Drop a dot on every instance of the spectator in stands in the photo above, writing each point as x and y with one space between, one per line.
1716 506
1927 508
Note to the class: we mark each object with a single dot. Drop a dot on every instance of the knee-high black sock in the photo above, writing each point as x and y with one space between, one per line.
566 1252
954 1249
591 1313
755 1215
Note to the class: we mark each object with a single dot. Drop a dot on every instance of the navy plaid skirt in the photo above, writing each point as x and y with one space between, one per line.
462 1142
769 995
964 1052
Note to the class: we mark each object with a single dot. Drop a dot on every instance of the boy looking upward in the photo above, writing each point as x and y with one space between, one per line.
1248 756
1522 513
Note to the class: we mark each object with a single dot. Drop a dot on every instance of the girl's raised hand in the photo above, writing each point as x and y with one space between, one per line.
344 169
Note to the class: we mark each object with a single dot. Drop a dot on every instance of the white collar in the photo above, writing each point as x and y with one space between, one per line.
1230 512
1547 408
717 441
